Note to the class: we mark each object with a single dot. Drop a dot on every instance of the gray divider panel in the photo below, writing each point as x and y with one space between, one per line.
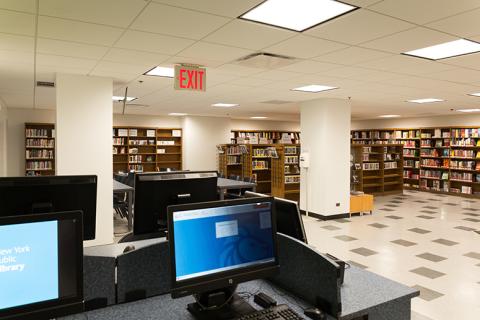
143 273
98 281
308 274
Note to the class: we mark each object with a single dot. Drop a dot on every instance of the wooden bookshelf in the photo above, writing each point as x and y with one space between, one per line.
231 159
448 158
286 172
378 168
264 137
146 149
39 149
258 162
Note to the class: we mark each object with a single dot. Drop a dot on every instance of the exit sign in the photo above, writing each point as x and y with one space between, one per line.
191 78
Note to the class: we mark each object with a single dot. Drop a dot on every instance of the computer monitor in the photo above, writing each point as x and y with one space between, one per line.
154 192
41 266
214 246
289 219
31 195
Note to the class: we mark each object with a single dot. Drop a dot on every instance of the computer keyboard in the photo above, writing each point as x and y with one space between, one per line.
279 312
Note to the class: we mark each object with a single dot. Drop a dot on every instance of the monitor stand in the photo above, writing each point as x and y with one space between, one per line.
231 305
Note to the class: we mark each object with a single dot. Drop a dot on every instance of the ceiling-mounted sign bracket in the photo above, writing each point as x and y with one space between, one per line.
190 77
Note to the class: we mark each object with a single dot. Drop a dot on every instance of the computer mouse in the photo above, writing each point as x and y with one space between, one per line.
128 249
315 314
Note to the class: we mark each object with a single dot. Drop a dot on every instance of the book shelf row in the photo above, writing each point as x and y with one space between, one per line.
39 149
274 167
377 169
142 149
440 159
264 137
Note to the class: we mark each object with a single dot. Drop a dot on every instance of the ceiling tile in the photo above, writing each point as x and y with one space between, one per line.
134 57
204 62
70 49
237 70
471 61
309 66
17 23
16 43
68 30
152 42
66 62
23 5
16 57
119 13
249 82
18 100
304 47
178 22
119 78
409 40
131 69
229 8
406 65
463 25
249 35
457 75
361 3
277 75
423 11
358 26
204 50
352 55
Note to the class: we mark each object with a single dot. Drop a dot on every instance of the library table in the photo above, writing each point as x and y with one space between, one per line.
229 184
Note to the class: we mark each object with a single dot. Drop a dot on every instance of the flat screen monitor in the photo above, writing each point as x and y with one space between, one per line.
289 219
154 192
41 265
222 243
32 195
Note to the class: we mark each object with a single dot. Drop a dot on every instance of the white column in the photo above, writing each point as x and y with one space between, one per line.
3 140
201 135
84 140
325 135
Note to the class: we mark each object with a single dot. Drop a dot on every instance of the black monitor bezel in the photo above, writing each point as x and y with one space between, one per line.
57 180
225 278
57 307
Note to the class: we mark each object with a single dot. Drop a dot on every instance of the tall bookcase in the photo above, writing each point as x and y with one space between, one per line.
39 149
230 159
286 172
378 168
258 163
144 149
436 159
264 137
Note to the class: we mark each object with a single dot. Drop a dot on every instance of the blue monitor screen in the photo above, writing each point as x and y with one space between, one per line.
213 240
28 263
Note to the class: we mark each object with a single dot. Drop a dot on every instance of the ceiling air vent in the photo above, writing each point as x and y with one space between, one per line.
265 60
45 84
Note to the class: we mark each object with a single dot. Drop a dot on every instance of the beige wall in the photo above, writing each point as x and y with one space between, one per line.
442 121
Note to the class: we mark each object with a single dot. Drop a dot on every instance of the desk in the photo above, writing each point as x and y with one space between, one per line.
228 184
364 293
120 188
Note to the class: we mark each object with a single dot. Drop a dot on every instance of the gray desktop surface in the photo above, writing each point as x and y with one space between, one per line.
121 187
363 293
116 249
223 183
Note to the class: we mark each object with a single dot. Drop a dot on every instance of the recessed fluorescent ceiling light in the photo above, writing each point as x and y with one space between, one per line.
258 117
161 72
225 105
446 50
426 100
389 116
477 94
468 110
314 88
177 114
121 98
297 15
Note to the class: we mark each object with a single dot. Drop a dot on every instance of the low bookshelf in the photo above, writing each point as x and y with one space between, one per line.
231 160
377 168
264 137
39 149
286 172
146 149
